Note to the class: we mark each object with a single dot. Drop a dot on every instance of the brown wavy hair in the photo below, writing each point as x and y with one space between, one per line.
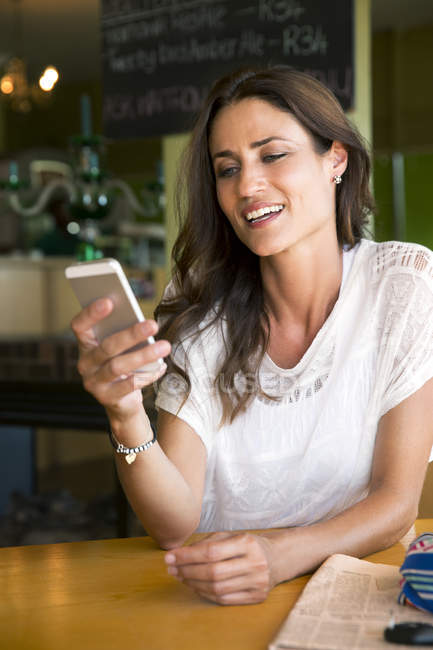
214 273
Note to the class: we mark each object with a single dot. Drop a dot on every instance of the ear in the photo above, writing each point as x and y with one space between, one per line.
338 159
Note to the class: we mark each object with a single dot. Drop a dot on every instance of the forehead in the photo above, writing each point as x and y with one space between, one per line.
250 120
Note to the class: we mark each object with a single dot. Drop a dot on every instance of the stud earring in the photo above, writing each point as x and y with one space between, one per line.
337 179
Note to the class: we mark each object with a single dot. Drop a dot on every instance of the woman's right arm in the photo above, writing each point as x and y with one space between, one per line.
165 483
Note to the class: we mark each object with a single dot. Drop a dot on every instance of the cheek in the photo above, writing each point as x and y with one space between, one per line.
224 203
307 187
294 182
224 200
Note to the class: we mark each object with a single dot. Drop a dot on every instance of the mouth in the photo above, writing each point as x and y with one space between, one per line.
263 214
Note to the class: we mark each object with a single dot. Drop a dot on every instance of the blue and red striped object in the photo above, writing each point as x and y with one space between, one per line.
417 571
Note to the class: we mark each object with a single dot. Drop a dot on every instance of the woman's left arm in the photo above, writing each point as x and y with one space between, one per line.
241 568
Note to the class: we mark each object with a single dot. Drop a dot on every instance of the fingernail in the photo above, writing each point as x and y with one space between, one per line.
162 347
170 558
100 305
144 328
172 571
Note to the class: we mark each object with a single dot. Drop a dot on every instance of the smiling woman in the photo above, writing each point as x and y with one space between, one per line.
281 178
264 139
298 395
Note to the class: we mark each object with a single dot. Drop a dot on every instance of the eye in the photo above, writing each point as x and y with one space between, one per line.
272 157
226 172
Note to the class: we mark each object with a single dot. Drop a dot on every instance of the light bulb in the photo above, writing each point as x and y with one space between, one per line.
73 228
46 84
51 74
6 85
49 78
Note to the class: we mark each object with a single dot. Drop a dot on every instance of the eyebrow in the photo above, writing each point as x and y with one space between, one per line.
259 143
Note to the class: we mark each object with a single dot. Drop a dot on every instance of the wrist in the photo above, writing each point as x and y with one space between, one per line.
295 551
130 453
132 431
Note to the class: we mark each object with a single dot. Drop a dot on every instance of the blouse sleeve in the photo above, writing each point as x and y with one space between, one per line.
406 346
194 408
198 408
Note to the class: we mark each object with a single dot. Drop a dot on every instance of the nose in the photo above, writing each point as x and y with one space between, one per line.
250 181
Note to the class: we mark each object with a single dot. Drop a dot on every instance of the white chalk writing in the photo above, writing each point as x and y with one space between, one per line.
340 82
304 40
251 43
201 18
186 99
137 31
279 11
194 51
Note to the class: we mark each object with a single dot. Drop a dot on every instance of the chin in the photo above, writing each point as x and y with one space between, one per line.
267 251
270 248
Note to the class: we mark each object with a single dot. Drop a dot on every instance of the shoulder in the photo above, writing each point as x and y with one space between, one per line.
393 267
397 291
383 260
390 281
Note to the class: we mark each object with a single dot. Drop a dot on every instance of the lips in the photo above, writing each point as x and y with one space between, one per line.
256 213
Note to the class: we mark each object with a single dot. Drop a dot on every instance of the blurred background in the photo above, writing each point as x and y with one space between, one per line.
68 192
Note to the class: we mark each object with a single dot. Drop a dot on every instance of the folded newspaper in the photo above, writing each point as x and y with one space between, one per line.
346 605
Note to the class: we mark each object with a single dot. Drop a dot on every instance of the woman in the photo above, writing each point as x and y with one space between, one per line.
298 396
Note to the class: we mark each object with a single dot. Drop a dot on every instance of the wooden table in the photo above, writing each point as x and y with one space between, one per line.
116 595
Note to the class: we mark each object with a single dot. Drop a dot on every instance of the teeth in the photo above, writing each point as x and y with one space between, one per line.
255 214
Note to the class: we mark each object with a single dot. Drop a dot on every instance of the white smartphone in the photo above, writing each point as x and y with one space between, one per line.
105 278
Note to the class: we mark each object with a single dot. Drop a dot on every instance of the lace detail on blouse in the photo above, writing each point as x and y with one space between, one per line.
289 390
390 255
404 276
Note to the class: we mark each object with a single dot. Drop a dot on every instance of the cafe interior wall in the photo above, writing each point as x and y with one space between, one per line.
402 123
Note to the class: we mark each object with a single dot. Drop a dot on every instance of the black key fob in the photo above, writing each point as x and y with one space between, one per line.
410 634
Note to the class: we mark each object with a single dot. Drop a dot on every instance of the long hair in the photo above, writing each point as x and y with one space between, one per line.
214 273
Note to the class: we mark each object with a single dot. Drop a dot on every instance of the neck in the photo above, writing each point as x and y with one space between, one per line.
301 285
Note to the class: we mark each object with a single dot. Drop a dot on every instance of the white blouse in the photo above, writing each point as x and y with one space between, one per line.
308 456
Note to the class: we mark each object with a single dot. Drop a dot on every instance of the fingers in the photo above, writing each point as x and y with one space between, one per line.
111 359
127 363
116 367
111 393
84 321
226 568
137 358
237 591
116 378
238 598
215 571
213 549
116 344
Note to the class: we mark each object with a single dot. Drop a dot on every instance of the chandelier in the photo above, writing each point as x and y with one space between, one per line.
15 85
90 195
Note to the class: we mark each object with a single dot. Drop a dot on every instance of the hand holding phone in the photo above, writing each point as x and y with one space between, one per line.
105 279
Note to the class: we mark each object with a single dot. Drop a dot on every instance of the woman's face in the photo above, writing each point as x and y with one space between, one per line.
275 189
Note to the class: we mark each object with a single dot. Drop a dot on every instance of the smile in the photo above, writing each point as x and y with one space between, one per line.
263 213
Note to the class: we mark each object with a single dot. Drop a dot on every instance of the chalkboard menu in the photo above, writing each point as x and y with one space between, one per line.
160 57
